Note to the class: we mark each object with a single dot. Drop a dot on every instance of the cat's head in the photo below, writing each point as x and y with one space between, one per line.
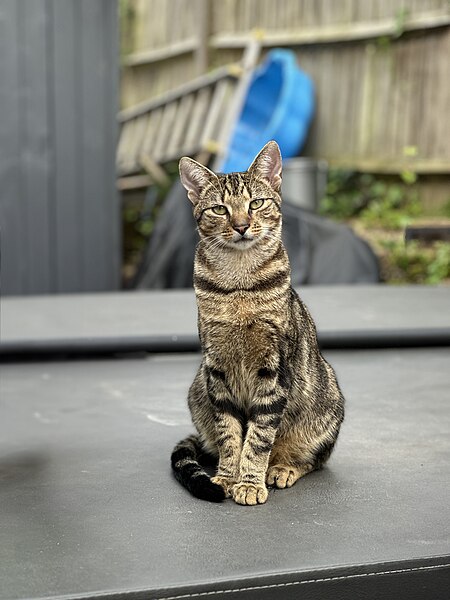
237 210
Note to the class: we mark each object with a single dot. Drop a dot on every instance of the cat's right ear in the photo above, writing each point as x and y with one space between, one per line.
195 177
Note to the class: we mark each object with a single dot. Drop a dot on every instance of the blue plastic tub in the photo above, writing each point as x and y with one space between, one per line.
279 106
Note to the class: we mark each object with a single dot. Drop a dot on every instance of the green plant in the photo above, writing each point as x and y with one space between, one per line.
439 267
378 210
417 263
401 17
346 194
139 214
376 202
446 209
392 207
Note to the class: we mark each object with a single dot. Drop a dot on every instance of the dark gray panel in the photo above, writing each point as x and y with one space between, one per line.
59 209
96 255
112 201
67 139
35 145
89 504
12 233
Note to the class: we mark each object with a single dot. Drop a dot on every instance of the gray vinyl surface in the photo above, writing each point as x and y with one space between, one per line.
88 503
140 317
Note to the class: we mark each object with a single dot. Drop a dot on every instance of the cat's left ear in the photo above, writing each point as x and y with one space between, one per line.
268 165
195 177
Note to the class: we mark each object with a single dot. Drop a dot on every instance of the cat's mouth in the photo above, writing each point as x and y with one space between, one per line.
242 242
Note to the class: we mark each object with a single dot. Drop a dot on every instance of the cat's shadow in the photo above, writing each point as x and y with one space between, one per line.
22 466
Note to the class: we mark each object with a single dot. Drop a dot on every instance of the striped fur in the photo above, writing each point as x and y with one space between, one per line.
264 401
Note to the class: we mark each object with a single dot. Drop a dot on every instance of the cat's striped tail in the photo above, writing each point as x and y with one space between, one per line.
189 472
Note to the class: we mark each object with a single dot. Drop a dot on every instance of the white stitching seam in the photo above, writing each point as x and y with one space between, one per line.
291 583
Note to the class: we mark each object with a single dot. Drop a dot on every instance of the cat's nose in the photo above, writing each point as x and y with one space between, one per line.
241 228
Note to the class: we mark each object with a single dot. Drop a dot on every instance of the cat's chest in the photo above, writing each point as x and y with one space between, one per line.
235 312
238 334
235 342
238 329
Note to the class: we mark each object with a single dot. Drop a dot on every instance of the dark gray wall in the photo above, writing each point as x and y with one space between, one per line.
59 210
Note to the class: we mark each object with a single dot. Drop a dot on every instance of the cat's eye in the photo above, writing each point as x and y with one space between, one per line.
255 204
220 209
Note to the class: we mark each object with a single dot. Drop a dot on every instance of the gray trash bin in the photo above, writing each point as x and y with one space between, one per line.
304 181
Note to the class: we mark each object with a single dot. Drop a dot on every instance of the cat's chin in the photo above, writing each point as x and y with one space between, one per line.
242 244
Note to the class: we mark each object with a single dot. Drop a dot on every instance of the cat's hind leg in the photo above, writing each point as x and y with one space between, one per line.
294 457
283 476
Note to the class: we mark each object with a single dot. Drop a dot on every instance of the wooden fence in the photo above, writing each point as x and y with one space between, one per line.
381 67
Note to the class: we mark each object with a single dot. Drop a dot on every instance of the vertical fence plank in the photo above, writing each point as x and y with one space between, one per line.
203 23
441 133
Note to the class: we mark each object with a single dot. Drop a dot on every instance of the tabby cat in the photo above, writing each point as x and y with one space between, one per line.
264 401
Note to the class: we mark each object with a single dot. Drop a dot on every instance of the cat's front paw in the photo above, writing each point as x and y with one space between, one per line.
249 494
225 482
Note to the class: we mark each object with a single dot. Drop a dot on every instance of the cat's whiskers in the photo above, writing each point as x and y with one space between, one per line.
213 242
271 236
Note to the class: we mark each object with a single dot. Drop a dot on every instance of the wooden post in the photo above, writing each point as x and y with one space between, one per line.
248 63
